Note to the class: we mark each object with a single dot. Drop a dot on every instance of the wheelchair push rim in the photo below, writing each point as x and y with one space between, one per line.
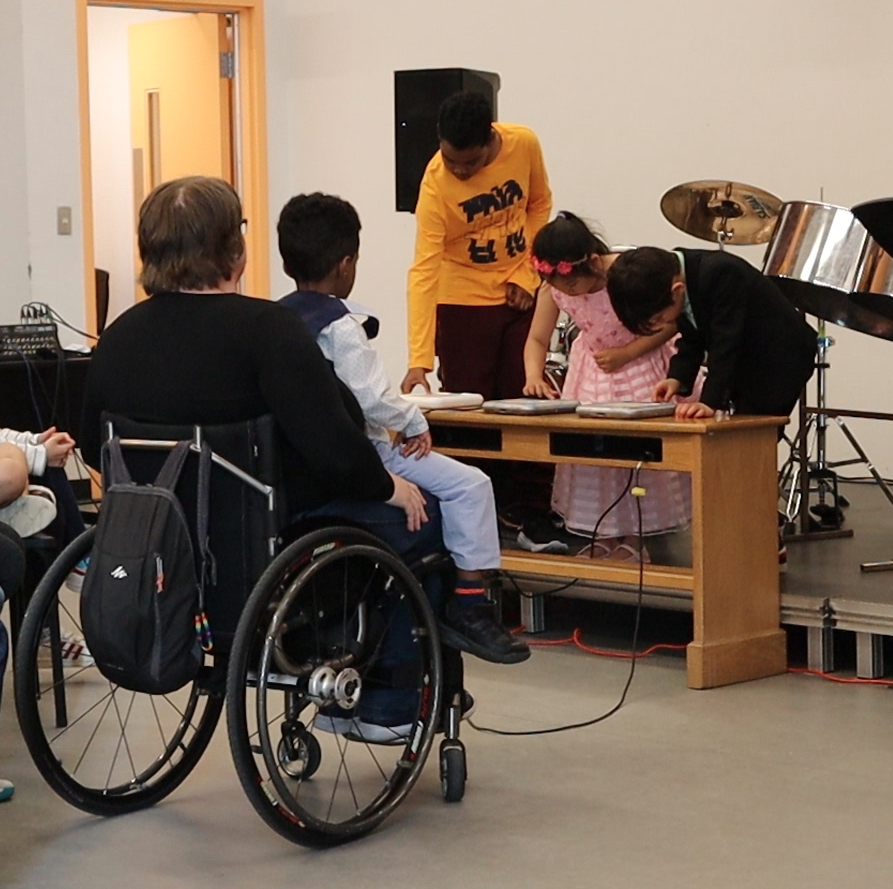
318 617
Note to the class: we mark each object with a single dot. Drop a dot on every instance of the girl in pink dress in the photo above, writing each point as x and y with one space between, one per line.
606 363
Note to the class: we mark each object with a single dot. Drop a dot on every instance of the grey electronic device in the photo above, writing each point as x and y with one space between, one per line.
530 406
627 410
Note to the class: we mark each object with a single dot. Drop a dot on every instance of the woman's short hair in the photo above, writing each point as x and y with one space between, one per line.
190 234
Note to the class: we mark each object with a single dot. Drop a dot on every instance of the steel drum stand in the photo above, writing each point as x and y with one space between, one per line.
798 473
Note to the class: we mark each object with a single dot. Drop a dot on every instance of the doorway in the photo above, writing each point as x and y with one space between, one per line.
222 110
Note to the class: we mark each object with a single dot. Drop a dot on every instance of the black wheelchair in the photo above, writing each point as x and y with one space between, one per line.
314 636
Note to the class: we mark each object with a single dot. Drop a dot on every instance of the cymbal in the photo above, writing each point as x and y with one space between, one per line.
716 210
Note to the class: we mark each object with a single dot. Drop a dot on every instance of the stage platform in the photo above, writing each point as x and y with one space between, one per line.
824 590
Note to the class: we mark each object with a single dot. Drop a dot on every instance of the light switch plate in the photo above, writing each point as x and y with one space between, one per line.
63 220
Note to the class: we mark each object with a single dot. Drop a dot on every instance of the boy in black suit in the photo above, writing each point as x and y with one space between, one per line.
759 350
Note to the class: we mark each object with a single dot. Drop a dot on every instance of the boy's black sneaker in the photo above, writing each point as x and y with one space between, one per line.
476 629
543 534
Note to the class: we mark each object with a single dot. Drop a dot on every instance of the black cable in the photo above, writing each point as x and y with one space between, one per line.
633 649
53 314
591 546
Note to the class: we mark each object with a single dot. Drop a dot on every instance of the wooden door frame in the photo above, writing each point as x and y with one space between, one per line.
253 133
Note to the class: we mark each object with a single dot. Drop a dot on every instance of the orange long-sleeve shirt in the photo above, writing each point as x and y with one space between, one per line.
474 237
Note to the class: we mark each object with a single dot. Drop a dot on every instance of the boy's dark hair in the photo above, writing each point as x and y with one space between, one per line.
465 120
640 285
316 231
567 239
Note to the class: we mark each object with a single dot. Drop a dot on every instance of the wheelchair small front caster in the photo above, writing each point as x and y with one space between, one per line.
452 770
300 755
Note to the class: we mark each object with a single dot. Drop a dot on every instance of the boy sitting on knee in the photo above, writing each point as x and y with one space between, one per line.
319 238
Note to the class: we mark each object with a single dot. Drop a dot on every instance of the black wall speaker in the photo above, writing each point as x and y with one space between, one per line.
417 98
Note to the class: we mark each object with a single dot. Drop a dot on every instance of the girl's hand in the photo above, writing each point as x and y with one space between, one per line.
59 446
415 444
409 498
665 390
693 410
610 360
539 389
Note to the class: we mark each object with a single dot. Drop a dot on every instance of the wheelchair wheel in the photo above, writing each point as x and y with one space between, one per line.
102 748
337 659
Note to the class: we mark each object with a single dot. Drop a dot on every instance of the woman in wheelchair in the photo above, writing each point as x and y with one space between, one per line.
199 353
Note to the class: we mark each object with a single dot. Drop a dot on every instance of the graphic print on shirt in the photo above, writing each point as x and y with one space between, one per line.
498 214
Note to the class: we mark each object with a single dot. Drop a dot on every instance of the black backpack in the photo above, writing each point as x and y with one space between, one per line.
142 608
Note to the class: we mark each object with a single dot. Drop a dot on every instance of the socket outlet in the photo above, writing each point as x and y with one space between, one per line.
63 220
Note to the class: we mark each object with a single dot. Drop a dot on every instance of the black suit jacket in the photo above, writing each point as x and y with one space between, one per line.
759 350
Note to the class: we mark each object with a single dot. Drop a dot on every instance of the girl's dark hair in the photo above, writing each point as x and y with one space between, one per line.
189 234
640 285
465 120
316 231
567 239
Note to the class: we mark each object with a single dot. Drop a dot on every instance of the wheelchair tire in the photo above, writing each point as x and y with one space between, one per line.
95 743
316 622
452 770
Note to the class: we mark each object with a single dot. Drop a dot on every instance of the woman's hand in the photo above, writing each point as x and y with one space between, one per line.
610 360
415 444
409 498
665 390
415 376
539 389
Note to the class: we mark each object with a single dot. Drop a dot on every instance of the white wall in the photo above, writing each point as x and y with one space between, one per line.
111 146
13 192
628 99
53 166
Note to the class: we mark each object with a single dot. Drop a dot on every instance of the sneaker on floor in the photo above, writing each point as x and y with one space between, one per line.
75 579
75 653
476 629
7 789
31 512
542 534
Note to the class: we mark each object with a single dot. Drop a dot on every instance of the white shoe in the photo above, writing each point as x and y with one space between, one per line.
74 651
31 512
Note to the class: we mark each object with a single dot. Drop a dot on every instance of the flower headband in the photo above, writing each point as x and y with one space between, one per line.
564 267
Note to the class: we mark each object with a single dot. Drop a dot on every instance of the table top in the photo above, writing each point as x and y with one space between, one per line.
576 423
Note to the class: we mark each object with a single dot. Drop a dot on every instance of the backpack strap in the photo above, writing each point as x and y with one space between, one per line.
114 469
169 474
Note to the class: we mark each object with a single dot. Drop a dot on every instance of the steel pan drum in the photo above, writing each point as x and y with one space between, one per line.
877 217
814 257
874 280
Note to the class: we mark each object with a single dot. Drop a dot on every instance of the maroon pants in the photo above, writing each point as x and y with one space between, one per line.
481 349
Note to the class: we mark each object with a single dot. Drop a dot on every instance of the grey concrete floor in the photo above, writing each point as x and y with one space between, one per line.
784 782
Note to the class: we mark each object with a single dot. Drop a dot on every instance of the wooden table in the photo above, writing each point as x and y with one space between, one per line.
734 575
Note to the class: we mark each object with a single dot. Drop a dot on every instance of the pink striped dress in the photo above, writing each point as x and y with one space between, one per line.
581 493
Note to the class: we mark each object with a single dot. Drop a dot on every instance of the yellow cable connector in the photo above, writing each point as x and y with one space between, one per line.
638 491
